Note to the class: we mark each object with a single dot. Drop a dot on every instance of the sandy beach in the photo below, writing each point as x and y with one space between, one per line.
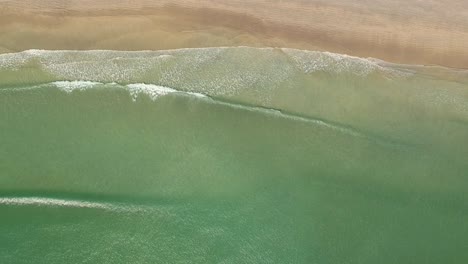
410 32
233 131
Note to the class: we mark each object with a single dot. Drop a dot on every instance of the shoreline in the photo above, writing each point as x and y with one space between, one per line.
458 75
175 26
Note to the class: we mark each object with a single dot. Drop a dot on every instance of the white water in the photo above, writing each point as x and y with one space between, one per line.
55 202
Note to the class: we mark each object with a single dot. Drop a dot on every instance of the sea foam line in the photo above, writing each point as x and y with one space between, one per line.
70 86
154 91
307 60
55 202
340 128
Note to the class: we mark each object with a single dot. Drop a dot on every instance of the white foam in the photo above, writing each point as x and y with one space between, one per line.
55 202
154 91
35 52
70 86
314 61
151 90
199 95
216 71
39 201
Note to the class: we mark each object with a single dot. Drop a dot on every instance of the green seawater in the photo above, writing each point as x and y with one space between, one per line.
230 155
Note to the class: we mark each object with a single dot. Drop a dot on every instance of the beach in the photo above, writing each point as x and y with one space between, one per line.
414 32
323 132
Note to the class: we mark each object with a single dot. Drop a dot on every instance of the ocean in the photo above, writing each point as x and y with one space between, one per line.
230 155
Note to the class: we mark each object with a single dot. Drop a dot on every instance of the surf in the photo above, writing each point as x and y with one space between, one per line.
361 97
153 92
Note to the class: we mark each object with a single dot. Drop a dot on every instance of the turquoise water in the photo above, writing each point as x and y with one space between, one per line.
230 155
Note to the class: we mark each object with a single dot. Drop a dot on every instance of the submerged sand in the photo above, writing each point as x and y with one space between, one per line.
411 32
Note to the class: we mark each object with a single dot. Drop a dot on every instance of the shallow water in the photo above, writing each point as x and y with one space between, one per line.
230 155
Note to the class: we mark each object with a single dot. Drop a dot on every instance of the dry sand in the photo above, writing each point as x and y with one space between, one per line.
401 31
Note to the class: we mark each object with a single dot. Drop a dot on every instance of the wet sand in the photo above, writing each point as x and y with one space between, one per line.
411 32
